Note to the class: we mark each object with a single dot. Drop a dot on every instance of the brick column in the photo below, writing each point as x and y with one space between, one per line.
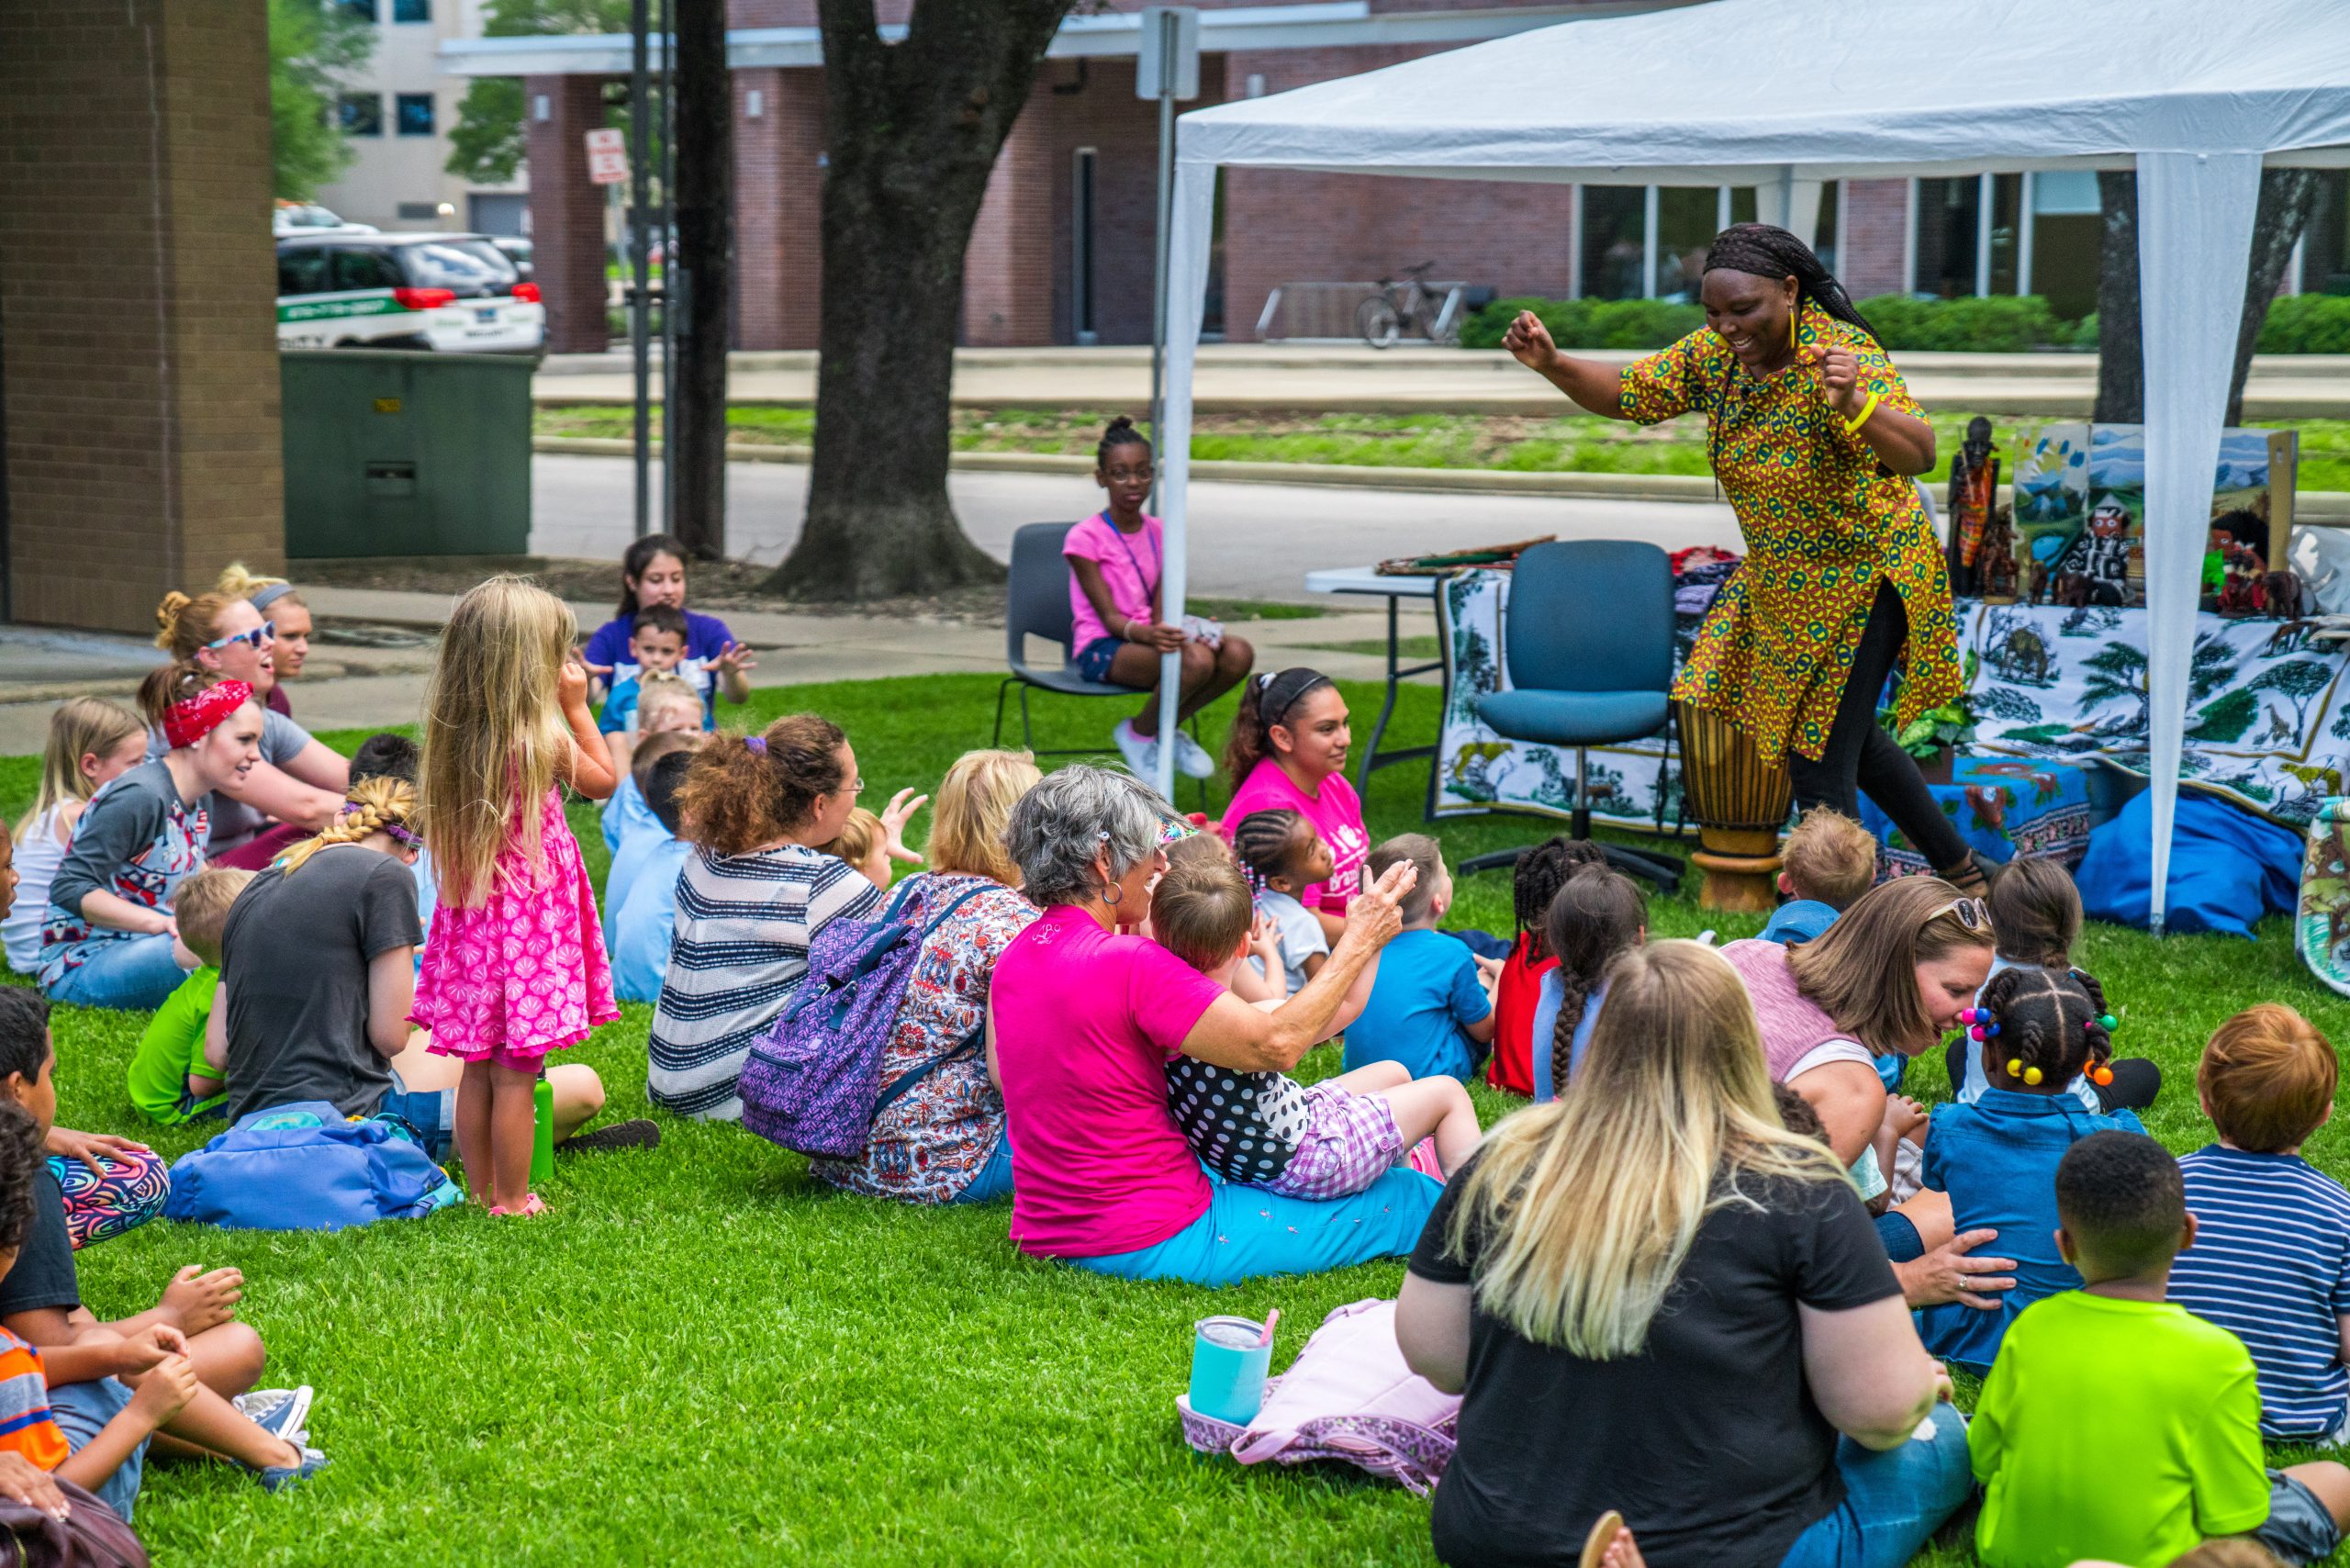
1007 267
778 208
568 211
1876 237
139 367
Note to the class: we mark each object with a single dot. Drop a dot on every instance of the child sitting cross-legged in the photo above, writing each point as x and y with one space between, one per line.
1829 861
1282 853
1325 1140
104 1461
2036 912
640 907
1996 1158
1428 1009
169 1079
94 1367
2271 1258
2118 1426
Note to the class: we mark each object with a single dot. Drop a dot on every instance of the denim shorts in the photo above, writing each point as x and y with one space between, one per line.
432 1112
82 1410
1094 659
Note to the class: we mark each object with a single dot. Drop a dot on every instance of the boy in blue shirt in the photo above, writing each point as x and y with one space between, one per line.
1829 861
656 645
640 893
1429 1007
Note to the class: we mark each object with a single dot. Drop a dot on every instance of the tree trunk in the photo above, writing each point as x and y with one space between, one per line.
2121 366
694 430
912 131
2287 198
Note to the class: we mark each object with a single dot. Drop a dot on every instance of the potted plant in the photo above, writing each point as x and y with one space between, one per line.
1935 735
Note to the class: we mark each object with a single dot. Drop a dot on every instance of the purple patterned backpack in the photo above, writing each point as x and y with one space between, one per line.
813 1082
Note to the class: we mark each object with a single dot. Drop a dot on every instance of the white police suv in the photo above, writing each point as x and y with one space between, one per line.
455 293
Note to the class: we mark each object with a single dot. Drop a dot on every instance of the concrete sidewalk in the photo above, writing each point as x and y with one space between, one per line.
1338 378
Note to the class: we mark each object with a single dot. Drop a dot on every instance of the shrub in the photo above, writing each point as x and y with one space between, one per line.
1588 323
1996 324
2307 323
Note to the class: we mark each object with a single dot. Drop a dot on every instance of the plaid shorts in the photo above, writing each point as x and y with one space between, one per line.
1351 1141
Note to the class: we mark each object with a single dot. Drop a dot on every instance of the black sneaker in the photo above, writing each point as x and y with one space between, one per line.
638 1134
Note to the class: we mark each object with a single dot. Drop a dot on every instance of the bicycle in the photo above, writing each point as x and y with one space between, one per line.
1402 305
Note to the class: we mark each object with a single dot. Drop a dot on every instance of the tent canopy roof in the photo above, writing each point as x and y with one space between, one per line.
1719 93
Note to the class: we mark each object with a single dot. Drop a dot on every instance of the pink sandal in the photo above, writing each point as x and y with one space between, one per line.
531 1204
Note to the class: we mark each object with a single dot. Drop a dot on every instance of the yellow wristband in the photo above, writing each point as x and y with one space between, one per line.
1852 426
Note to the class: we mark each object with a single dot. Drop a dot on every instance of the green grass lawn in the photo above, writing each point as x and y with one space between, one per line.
1581 443
698 1356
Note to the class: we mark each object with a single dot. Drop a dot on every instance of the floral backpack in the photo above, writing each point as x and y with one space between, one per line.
813 1082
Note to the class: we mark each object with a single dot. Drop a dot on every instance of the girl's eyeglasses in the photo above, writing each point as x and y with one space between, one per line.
1973 913
265 633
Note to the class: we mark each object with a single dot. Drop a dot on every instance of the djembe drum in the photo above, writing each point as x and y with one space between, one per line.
1739 803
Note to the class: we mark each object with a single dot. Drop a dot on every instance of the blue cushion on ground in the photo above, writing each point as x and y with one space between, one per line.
1574 718
2227 868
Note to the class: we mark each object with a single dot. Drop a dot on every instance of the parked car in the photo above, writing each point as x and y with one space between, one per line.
455 293
309 216
517 251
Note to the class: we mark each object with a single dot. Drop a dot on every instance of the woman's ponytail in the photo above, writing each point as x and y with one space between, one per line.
1265 701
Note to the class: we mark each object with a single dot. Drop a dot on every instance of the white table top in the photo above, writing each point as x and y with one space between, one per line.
1366 580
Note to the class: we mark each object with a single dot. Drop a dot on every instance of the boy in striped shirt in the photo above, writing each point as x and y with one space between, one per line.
2271 1258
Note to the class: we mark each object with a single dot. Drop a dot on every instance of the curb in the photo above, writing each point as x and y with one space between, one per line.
2309 505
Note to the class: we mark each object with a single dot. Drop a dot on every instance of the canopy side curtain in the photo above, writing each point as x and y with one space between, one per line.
2195 216
1187 294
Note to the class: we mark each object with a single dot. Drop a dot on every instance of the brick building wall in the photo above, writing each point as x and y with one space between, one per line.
1876 237
138 287
567 211
779 209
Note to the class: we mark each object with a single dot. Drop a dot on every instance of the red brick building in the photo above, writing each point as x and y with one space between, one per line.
1062 250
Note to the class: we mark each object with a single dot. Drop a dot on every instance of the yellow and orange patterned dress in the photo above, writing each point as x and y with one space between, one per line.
1823 522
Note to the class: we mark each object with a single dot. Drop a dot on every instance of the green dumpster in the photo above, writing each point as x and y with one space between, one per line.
400 451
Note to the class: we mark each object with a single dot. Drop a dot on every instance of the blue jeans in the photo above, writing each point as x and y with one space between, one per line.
432 1112
134 973
1249 1231
1893 1500
82 1410
994 1180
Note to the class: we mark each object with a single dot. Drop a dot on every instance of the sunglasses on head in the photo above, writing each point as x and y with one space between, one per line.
1973 913
265 633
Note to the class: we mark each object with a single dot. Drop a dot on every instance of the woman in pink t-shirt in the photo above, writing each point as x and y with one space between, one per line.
1083 1018
1288 752
1117 560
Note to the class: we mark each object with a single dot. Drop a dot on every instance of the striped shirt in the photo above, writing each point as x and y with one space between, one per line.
738 951
2271 1264
26 1427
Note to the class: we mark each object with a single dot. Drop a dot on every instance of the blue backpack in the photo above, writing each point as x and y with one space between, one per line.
813 1082
304 1167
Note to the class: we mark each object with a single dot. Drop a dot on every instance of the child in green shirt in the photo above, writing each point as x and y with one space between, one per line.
2118 1427
169 1079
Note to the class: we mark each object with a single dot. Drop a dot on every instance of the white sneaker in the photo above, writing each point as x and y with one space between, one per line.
1192 759
1141 752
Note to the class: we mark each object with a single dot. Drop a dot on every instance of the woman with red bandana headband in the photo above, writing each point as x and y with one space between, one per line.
106 941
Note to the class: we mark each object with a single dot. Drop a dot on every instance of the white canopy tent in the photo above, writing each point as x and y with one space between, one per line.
1777 94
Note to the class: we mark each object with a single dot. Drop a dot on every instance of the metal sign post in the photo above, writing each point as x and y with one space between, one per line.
1166 67
640 191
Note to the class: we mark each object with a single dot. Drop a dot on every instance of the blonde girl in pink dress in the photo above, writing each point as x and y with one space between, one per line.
514 965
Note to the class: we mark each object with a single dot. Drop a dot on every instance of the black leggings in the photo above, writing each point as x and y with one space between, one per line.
1860 757
2137 1083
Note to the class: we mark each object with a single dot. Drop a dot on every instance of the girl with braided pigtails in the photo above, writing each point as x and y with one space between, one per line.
1597 916
1282 855
1517 995
2036 1030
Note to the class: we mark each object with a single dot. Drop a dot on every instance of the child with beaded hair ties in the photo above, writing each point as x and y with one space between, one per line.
2036 1030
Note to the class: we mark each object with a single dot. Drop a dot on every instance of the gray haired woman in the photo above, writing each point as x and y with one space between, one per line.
1084 1017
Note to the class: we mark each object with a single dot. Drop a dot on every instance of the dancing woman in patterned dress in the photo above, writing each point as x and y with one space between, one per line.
1815 440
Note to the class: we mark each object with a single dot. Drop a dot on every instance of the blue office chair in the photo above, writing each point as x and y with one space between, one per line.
1036 604
1588 637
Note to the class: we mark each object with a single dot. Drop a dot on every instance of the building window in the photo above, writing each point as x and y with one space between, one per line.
416 114
362 114
411 10
363 9
1650 242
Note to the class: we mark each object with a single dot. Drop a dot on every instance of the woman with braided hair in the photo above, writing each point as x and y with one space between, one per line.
318 976
1598 915
2037 1029
1815 441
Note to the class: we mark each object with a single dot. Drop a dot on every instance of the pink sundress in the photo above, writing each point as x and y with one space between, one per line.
523 973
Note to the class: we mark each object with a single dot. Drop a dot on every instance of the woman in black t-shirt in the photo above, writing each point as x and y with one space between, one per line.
1655 1299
